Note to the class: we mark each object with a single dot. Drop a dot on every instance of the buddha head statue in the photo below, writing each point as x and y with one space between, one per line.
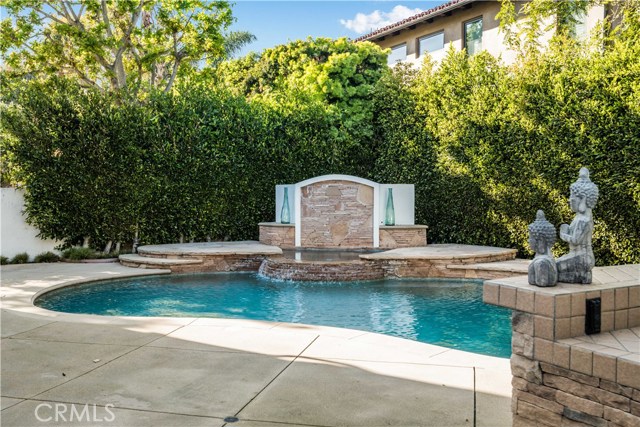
542 234
584 193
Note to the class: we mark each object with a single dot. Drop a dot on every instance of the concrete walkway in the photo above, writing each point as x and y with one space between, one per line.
199 372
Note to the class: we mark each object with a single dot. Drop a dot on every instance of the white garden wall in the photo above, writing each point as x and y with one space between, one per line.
16 236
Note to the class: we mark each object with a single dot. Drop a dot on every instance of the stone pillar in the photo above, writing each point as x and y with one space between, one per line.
562 377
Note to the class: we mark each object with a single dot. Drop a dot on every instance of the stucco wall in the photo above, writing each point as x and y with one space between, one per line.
16 235
453 28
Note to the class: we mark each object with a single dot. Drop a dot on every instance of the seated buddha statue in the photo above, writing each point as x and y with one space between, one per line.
576 266
542 236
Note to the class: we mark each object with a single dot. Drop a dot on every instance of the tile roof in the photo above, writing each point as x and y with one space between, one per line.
430 13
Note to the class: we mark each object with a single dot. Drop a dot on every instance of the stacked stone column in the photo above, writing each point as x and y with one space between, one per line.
560 376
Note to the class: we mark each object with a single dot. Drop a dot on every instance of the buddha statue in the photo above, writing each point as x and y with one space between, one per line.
542 236
576 266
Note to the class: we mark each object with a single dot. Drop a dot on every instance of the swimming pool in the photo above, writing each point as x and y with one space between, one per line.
447 313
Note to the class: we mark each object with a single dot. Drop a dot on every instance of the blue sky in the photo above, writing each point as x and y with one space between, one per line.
277 22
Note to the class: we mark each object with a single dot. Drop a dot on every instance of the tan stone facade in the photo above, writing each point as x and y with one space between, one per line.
442 267
287 269
399 236
336 214
275 234
562 376
207 264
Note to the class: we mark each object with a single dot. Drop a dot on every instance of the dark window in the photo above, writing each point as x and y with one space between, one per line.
473 36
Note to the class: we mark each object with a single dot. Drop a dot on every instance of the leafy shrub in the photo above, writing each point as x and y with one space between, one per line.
21 258
4 260
46 257
77 254
80 253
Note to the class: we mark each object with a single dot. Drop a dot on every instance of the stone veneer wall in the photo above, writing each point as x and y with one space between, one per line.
562 377
403 236
287 269
276 234
209 264
439 267
336 214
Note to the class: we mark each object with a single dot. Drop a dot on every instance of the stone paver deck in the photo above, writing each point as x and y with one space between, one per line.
197 372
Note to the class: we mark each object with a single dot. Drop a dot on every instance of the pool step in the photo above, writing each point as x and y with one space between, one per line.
494 270
138 261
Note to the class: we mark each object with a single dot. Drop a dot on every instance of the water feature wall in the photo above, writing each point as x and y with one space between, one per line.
342 211
336 213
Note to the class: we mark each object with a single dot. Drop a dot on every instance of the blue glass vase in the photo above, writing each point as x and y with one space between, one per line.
390 214
285 214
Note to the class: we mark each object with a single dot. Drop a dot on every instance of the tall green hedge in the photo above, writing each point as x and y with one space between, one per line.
486 145
198 165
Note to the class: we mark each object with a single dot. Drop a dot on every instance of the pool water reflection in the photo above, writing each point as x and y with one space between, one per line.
447 313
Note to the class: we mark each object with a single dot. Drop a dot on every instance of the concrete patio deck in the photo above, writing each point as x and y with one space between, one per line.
197 372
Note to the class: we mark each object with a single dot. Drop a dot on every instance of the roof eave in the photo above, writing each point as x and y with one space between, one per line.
435 14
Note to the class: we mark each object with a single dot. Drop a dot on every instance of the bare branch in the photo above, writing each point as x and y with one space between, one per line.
105 18
48 15
136 57
126 37
125 41
66 12
83 77
52 6
185 26
73 12
176 64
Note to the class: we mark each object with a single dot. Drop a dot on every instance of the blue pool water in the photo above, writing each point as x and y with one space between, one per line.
446 313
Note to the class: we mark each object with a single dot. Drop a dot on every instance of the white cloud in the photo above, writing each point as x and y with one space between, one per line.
363 23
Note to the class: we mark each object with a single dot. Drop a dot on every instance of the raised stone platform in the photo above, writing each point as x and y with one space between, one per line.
444 261
202 257
436 260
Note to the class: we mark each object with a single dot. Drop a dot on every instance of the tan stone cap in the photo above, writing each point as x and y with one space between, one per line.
443 251
248 247
401 226
608 282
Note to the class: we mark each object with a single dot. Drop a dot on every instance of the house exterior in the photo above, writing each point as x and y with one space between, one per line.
465 24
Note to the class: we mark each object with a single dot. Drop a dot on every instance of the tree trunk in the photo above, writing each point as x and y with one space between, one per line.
85 241
107 247
135 241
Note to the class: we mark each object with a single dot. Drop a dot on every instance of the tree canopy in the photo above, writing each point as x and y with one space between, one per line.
115 45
